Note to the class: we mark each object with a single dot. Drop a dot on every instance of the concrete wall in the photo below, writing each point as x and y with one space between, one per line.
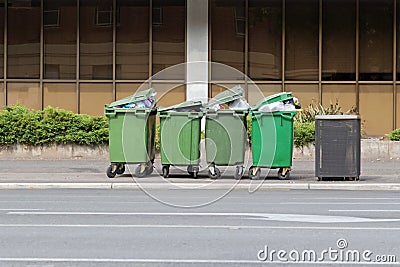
370 149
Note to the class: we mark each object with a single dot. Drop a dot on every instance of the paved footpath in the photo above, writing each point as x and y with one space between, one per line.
375 175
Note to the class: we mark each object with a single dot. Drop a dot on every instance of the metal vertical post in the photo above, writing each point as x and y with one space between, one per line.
5 52
394 64
114 40
320 52
78 14
283 43
41 55
357 55
150 43
246 50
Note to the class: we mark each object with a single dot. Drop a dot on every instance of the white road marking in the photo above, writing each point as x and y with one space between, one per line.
20 209
368 210
340 203
183 226
187 261
351 198
262 216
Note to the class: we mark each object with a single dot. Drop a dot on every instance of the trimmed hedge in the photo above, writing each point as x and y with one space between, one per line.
20 125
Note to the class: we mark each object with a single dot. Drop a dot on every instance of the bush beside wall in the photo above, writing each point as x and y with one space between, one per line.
394 135
20 125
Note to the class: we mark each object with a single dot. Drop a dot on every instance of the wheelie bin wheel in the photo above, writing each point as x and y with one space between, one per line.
111 171
165 171
238 173
193 171
149 168
254 173
284 173
214 173
141 170
120 168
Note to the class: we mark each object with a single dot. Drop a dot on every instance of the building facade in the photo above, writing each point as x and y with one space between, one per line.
81 54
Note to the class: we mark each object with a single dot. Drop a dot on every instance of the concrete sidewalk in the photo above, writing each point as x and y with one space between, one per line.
16 174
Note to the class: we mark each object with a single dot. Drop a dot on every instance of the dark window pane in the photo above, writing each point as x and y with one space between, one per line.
96 36
168 38
60 39
132 54
265 39
228 37
24 39
376 40
301 40
339 40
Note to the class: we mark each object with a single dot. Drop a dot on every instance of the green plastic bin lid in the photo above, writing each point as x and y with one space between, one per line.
272 99
184 106
226 96
139 96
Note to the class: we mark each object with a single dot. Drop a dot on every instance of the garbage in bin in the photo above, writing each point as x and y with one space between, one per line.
226 131
132 133
180 131
272 134
137 102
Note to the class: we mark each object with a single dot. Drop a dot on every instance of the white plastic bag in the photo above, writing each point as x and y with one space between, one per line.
239 104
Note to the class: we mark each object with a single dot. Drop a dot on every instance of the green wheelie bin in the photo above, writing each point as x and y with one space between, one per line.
225 133
272 135
132 123
180 131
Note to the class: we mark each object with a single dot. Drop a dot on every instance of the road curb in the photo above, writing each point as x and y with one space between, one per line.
206 186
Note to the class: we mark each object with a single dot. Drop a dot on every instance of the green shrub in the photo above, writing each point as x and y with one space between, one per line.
308 114
394 135
20 125
304 133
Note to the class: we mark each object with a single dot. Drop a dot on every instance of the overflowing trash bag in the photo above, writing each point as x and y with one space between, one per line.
149 102
231 99
285 105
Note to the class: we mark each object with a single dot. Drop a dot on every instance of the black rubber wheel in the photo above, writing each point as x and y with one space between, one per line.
138 172
149 169
165 171
216 175
120 169
254 176
238 173
110 173
283 177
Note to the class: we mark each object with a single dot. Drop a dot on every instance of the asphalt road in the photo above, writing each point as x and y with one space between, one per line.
132 228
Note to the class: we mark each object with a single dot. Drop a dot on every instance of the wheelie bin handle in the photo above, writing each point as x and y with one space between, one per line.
289 117
110 113
194 115
141 112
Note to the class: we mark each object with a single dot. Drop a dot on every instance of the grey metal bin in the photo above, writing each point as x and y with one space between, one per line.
337 146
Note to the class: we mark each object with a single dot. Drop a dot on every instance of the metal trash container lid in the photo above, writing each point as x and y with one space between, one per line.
139 96
337 117
226 96
272 99
187 104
